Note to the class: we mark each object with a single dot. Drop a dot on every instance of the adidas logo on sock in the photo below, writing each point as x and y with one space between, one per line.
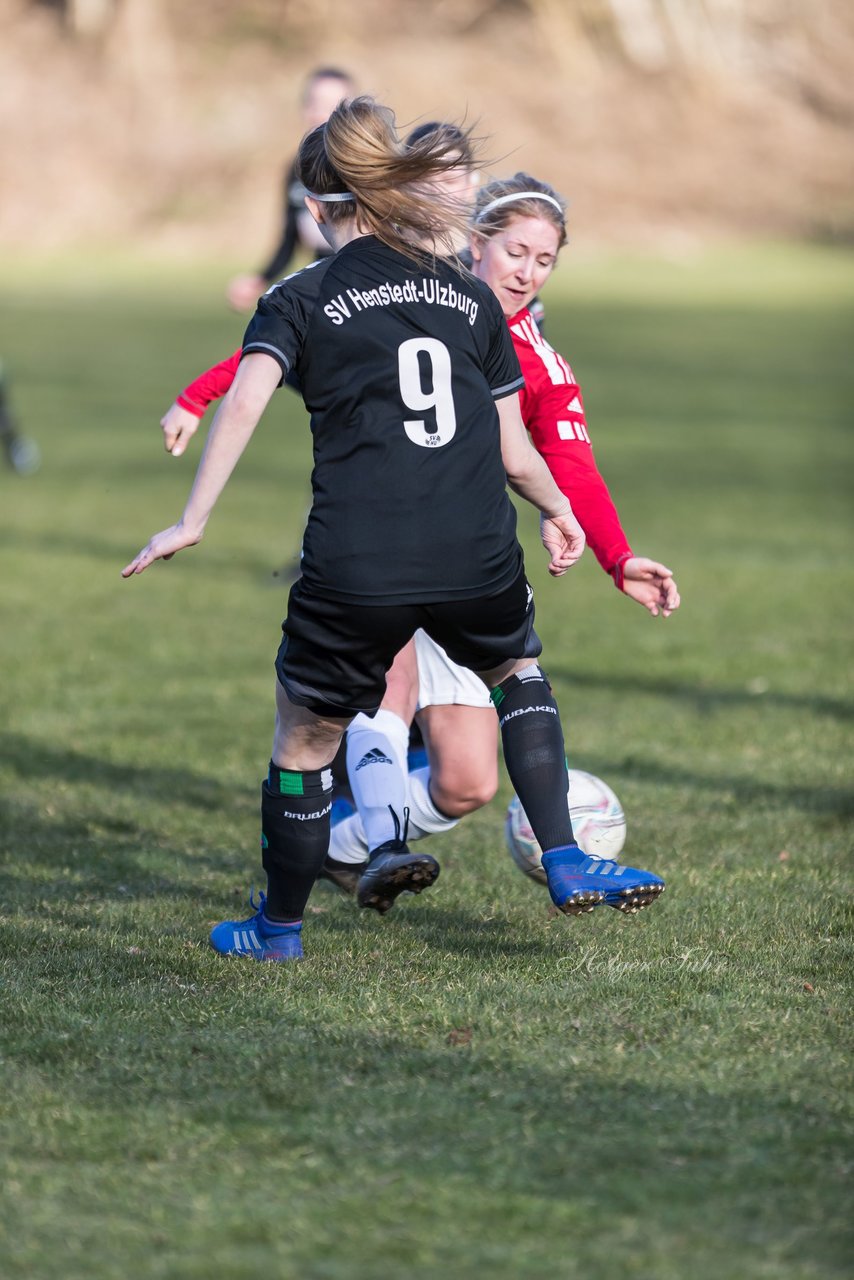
376 756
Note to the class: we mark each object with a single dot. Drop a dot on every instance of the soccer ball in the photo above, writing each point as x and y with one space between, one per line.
597 820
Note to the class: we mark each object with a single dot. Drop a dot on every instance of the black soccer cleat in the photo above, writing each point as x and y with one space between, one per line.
344 875
392 869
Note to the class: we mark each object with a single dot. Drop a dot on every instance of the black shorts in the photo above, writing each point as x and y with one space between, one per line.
334 657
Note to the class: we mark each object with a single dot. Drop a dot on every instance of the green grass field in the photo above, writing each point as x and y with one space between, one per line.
470 1087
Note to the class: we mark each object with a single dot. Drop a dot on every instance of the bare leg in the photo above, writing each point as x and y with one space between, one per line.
301 739
462 748
401 684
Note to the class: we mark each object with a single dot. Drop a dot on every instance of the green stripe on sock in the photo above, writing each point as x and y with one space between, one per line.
497 697
290 784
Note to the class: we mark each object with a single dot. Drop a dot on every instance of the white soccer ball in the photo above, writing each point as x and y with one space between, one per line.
597 820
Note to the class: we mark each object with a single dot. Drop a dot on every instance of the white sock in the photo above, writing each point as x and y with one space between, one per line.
376 769
349 843
424 818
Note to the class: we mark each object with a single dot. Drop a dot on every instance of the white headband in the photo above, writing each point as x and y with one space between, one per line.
518 195
334 197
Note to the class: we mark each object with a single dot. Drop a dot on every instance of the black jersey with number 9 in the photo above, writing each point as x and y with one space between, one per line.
400 365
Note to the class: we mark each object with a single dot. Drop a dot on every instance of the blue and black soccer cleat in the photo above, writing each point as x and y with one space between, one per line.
578 883
258 937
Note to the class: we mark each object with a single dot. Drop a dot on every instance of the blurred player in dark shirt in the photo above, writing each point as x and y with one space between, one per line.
324 89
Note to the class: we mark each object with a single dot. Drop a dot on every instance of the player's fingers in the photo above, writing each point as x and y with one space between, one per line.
670 599
136 566
652 568
183 437
648 571
169 432
146 557
560 561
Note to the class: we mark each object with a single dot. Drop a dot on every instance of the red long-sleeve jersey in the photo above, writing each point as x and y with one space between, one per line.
210 385
553 412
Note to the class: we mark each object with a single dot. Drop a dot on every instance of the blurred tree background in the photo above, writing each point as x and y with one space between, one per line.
666 122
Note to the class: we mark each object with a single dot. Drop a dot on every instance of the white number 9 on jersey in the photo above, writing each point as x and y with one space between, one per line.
438 397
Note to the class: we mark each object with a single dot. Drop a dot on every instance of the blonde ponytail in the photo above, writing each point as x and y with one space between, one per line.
397 198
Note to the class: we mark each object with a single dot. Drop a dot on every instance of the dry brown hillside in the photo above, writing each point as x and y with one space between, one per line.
671 120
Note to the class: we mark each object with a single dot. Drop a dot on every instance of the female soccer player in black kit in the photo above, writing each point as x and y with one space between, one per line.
408 371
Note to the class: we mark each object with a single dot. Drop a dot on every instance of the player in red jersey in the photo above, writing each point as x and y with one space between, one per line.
435 441
517 232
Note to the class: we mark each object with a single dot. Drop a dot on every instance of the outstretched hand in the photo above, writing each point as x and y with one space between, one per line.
161 547
652 585
563 538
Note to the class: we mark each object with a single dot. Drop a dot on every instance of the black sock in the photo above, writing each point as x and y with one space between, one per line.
533 752
294 836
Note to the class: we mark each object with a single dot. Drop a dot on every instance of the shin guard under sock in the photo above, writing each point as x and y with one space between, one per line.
295 809
376 767
532 738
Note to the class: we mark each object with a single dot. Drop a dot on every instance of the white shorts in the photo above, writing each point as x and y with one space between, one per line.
441 683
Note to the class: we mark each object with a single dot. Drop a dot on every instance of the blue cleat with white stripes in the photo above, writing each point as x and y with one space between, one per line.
258 937
578 883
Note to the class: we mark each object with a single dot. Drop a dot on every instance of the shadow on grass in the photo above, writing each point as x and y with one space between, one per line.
442 929
704 700
70 848
829 802
30 758
59 865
